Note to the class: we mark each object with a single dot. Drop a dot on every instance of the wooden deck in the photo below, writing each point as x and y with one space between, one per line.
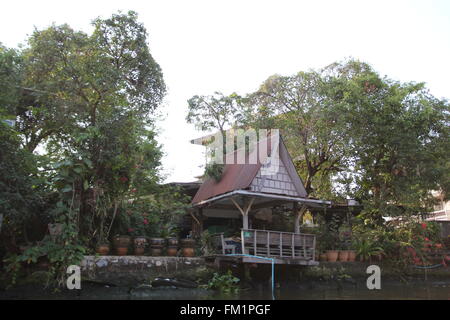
282 247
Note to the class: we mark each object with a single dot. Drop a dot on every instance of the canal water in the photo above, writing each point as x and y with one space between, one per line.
418 290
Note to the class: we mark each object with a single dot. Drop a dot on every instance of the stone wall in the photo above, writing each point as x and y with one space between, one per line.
130 270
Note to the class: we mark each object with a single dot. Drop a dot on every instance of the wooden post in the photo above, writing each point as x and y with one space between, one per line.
298 216
197 222
245 221
254 242
244 211
281 244
293 245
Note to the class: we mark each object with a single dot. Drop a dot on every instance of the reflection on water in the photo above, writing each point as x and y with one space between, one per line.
309 291
395 291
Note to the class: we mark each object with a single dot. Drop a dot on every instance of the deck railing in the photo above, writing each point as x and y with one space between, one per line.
268 243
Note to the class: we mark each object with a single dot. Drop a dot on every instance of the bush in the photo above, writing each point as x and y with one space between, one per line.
225 283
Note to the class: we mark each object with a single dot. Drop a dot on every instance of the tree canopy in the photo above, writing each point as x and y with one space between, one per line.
351 133
84 109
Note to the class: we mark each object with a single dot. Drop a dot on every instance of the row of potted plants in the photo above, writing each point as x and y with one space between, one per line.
338 255
123 243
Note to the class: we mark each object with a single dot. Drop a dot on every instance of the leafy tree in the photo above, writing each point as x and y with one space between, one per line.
10 79
212 112
19 194
399 136
216 111
89 99
352 133
301 107
66 78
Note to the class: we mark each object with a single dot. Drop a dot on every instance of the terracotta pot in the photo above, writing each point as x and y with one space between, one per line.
157 242
121 241
188 252
187 243
172 251
122 251
156 252
140 242
172 242
351 255
343 255
102 249
139 251
332 255
323 257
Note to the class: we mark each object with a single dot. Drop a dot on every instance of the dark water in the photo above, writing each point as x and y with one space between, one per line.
434 290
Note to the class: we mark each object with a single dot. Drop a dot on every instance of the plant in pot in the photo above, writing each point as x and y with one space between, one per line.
102 247
351 254
343 252
330 247
332 253
366 249
139 232
168 232
345 234
320 248
330 237
188 247
121 244
157 242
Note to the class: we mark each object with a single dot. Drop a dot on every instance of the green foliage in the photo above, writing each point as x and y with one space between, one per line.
398 132
156 215
353 133
212 112
10 77
303 109
225 283
20 194
366 248
90 99
214 171
207 246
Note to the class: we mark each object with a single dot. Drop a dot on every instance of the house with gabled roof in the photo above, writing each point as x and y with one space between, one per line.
248 188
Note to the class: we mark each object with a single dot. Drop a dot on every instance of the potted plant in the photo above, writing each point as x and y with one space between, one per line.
139 245
102 247
345 236
121 244
139 239
366 249
343 255
172 241
351 255
188 247
332 255
330 245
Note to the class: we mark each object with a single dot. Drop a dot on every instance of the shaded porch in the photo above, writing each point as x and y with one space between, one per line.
281 246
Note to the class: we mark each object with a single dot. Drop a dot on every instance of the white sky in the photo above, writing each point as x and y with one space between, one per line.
207 46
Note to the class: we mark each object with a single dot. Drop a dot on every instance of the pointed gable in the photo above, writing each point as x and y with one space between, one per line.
279 183
253 177
284 181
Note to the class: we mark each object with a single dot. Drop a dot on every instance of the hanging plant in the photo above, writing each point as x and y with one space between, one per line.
214 171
